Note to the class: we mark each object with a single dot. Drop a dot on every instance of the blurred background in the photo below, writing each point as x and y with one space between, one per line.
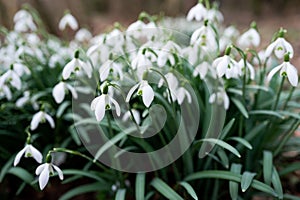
99 15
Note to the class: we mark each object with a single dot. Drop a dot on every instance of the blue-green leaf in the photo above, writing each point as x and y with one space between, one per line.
234 186
246 181
277 183
267 167
140 186
189 189
241 141
165 190
121 194
241 107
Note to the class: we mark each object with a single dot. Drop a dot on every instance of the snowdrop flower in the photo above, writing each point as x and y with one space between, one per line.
83 35
230 34
143 89
202 70
167 54
172 83
286 70
102 103
5 92
141 63
205 38
11 77
181 94
20 69
241 65
99 52
220 97
249 38
191 53
280 47
76 65
262 58
136 29
108 67
44 171
41 117
215 15
225 65
68 20
136 115
24 22
198 12
59 91
21 101
28 151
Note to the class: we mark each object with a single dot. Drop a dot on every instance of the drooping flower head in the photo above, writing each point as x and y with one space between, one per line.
68 20
250 37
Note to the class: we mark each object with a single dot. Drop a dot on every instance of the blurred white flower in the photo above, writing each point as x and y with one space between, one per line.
225 65
59 91
5 92
215 15
230 34
280 47
249 38
68 20
198 12
286 70
141 63
44 171
20 69
25 99
181 94
143 89
11 77
202 70
205 38
76 65
41 117
172 83
28 151
102 103
24 22
248 66
140 29
83 35
136 115
220 97
110 67
167 54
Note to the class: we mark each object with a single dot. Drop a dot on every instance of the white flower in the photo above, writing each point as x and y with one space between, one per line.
181 93
173 84
202 70
108 67
28 151
44 171
225 65
59 91
20 69
68 20
198 12
220 97
248 66
102 103
166 54
12 77
41 117
215 16
21 101
141 63
286 69
205 38
24 22
83 35
136 115
136 29
280 47
5 91
144 90
249 38
76 65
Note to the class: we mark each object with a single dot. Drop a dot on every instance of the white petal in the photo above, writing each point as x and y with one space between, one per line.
68 69
44 177
95 102
100 108
19 155
50 120
226 101
36 154
292 75
36 119
273 72
86 67
270 48
212 98
148 95
58 92
73 91
117 106
289 48
131 91
16 81
40 168
104 70
59 172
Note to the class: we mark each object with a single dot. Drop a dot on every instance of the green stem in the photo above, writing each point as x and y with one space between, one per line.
286 138
207 4
289 97
261 80
278 94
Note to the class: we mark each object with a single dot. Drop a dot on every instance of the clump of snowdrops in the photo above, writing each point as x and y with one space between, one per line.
244 96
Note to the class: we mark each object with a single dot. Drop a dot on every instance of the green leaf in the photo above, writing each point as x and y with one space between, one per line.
164 189
223 158
89 174
246 181
277 183
290 168
140 186
290 197
227 128
82 189
189 189
222 144
267 167
266 112
6 168
62 108
109 144
121 194
218 174
259 87
241 107
233 186
22 174
290 114
241 141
